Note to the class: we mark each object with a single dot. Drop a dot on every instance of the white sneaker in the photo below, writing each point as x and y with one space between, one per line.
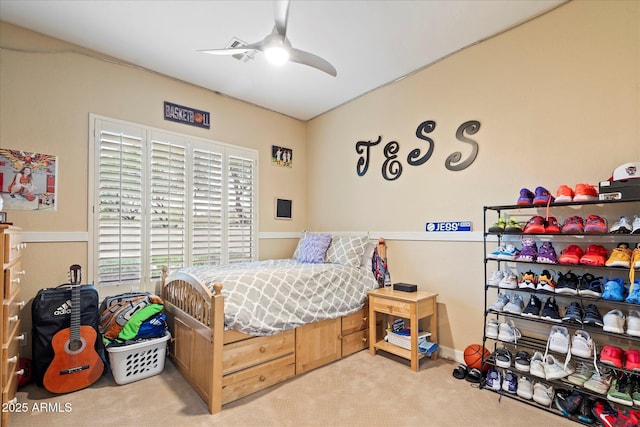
525 388
623 226
582 374
491 330
493 381
633 323
542 394
553 370
515 305
558 339
509 281
500 303
635 227
614 322
582 344
495 278
508 332
536 366
599 381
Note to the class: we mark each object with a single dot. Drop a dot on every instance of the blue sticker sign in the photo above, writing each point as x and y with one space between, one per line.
187 115
448 226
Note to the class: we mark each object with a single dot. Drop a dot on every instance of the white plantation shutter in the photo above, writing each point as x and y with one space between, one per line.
163 199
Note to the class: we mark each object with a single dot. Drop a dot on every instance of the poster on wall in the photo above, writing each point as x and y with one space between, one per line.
28 181
281 156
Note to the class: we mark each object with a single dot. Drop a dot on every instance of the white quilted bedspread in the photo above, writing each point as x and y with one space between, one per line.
267 297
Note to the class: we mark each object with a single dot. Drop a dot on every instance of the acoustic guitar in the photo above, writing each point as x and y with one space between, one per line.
76 364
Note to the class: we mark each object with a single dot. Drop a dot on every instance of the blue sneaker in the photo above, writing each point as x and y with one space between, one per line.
510 382
634 292
509 252
614 290
493 380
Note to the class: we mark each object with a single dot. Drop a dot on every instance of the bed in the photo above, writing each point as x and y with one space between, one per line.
240 328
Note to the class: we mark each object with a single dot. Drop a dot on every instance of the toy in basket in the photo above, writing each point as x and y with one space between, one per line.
137 361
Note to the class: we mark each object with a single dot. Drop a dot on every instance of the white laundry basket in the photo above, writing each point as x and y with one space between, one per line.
134 362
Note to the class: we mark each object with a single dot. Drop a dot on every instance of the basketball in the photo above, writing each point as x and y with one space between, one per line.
473 357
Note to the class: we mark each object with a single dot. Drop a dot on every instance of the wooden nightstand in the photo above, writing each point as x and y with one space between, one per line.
408 305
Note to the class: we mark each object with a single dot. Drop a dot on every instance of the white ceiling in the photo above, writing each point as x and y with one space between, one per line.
370 43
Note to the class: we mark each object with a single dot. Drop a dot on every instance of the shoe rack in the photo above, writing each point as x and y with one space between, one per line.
535 331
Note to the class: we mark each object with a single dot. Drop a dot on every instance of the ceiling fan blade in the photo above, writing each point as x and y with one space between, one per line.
306 58
281 15
234 50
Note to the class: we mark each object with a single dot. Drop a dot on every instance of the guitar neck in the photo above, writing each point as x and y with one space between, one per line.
75 313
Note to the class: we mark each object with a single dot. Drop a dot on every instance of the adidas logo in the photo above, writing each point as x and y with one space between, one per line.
63 309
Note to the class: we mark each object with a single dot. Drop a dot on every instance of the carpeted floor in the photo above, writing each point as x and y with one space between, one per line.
359 390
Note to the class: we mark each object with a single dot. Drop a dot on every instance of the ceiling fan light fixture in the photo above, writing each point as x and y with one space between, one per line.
277 55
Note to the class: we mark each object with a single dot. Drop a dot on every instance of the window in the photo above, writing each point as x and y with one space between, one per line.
164 199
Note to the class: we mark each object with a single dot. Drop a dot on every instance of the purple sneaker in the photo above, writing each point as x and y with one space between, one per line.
529 251
526 197
546 254
542 196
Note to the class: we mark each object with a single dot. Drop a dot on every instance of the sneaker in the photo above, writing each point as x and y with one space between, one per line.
570 255
592 316
620 390
523 361
536 366
634 292
620 256
526 197
550 311
525 388
493 381
475 376
547 254
599 382
529 251
635 255
574 313
510 383
545 282
535 225
542 394
614 322
564 194
528 280
622 226
491 329
635 389
614 290
568 402
500 303
542 197
495 278
553 370
635 226
533 307
558 340
633 323
590 285
567 283
509 281
595 255
551 225
595 224
509 253
604 413
632 360
515 304
508 332
495 254
628 418
573 225
581 375
585 193
585 413
498 226
503 358
513 226
582 344
611 355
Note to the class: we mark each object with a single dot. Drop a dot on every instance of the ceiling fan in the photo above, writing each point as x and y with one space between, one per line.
276 46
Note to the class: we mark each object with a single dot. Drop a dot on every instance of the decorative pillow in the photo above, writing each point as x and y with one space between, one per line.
369 248
297 250
313 248
346 250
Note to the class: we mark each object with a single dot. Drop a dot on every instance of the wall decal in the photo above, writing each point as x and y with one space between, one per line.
28 181
187 115
363 162
471 127
391 168
281 156
413 158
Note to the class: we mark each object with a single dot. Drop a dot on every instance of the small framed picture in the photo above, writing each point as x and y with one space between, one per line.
284 209
3 217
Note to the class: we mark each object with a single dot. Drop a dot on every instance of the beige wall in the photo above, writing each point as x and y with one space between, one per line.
558 102
557 98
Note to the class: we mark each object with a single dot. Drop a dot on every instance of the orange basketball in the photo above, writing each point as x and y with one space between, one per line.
473 356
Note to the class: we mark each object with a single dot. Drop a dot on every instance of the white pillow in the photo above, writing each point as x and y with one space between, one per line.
346 250
369 248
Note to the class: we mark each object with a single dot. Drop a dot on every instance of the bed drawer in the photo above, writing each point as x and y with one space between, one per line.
245 382
244 354
355 342
356 321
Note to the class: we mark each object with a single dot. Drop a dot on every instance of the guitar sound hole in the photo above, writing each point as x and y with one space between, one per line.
75 346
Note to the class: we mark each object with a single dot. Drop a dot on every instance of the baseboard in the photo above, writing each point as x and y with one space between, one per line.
451 354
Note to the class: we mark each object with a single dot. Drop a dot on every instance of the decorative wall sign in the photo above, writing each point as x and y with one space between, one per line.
187 115
392 167
448 226
28 181
281 156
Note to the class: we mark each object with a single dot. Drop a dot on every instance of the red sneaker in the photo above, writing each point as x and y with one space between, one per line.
571 255
632 359
564 194
595 224
604 413
551 225
595 255
612 355
585 193
573 224
535 225
627 418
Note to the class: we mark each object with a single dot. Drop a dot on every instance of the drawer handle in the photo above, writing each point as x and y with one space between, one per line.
21 304
12 401
20 372
390 307
364 319
21 337
262 378
365 339
23 246
13 318
340 336
16 281
262 349
22 273
13 359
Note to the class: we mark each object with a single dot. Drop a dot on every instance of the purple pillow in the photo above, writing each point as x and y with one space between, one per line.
314 248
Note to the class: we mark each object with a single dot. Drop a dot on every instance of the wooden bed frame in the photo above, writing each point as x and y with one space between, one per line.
226 365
